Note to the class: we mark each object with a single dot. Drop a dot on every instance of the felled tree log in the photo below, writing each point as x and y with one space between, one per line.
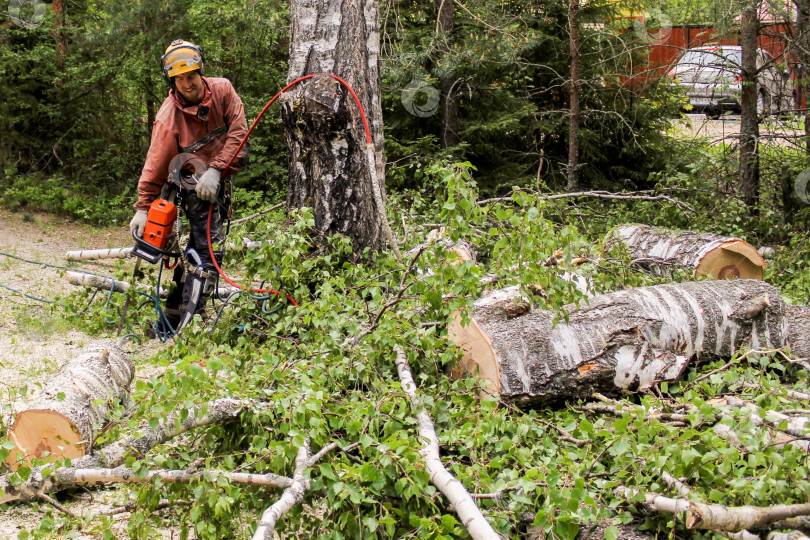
106 283
114 454
622 341
723 257
718 517
63 421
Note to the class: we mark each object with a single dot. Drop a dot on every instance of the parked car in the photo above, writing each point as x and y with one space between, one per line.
711 78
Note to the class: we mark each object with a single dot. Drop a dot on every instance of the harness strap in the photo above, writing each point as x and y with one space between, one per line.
193 147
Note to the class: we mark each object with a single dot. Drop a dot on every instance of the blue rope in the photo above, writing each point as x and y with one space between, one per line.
31 296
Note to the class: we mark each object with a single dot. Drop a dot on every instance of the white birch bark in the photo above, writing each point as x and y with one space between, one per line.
623 341
718 517
68 477
663 249
293 495
104 283
72 406
452 488
138 444
98 254
333 170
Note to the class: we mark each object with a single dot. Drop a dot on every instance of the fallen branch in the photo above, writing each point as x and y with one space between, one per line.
131 506
69 477
293 495
634 412
56 505
717 517
787 392
257 214
113 455
635 195
685 491
794 433
471 517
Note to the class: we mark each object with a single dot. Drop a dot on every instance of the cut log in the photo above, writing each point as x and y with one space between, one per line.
93 281
703 254
125 252
105 283
64 419
800 331
98 254
622 341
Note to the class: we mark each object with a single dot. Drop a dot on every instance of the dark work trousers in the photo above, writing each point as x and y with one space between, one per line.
196 211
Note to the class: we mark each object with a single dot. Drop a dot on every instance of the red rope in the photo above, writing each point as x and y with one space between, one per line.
242 143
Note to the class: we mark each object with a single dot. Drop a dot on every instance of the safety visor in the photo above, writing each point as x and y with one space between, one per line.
181 60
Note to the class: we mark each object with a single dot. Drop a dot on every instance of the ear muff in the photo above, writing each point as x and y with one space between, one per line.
181 57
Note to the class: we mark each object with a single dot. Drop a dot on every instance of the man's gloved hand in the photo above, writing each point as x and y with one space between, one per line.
208 185
138 223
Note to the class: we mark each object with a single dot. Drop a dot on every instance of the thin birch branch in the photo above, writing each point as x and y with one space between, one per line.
68 477
257 214
293 495
114 454
131 506
717 517
471 517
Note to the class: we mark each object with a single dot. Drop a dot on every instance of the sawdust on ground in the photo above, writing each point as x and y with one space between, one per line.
35 340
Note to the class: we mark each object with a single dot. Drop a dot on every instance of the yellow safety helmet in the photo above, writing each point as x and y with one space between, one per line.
181 57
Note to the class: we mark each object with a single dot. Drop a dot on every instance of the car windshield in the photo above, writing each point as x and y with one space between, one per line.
713 57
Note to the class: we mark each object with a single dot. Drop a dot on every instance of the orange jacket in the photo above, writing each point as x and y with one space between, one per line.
210 130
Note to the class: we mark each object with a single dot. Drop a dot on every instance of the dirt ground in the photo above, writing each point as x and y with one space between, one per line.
35 340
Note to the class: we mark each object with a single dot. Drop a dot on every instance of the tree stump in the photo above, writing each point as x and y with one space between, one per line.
64 419
704 254
622 341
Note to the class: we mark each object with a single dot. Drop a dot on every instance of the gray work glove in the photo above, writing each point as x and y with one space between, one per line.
208 185
138 223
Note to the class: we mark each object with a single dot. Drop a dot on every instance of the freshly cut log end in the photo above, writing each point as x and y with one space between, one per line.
734 260
44 434
63 420
478 356
620 342
704 254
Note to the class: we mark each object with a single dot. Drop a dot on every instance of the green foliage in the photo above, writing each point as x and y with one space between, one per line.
324 371
506 66
82 120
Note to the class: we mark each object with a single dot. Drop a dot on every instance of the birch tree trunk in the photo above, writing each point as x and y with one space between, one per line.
622 341
662 250
64 420
329 169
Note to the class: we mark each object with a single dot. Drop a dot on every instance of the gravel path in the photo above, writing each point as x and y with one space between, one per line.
776 131
35 340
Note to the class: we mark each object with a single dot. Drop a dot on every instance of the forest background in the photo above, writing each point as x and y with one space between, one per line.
79 89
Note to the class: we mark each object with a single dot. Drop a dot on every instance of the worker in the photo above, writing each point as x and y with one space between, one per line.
203 117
